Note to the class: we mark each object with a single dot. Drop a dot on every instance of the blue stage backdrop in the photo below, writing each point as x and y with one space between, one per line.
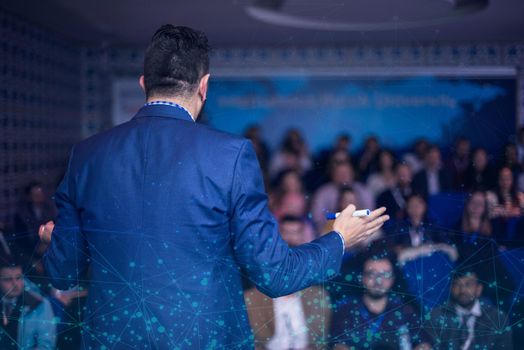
398 110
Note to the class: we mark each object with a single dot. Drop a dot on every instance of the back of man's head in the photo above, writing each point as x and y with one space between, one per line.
175 61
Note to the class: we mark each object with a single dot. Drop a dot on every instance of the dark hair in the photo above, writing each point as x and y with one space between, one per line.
278 180
33 184
464 269
8 261
485 225
175 61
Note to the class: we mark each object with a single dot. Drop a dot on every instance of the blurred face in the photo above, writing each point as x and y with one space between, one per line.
340 156
293 233
404 175
386 160
505 179
465 290
343 144
347 198
463 148
296 139
293 204
343 174
290 161
377 277
416 208
480 160
433 158
372 145
291 183
477 205
421 148
11 281
37 195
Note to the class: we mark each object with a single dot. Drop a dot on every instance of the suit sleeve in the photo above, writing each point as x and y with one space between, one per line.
275 268
66 257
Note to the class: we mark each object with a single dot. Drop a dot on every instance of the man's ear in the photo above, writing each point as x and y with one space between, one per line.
142 84
202 87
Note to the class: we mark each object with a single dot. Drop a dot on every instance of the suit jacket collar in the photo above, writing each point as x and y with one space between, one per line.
163 111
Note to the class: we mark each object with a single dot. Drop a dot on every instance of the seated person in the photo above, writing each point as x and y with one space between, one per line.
395 198
505 208
325 198
415 237
432 179
377 319
27 318
296 321
473 240
465 322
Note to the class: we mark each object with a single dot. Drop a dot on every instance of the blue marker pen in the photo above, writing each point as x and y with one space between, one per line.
356 213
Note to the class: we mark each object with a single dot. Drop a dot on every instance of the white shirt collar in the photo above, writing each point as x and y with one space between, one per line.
475 310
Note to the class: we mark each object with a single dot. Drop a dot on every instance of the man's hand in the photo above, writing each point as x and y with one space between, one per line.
357 229
45 232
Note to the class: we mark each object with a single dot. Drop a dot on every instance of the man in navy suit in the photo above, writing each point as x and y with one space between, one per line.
168 214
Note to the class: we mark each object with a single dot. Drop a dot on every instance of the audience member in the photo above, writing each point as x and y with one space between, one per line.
416 159
415 230
27 318
368 161
287 181
297 321
378 319
465 322
35 209
432 179
326 197
479 175
395 198
293 154
510 159
458 163
319 173
384 178
477 248
505 208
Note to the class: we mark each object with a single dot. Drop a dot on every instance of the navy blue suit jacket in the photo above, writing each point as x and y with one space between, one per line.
168 213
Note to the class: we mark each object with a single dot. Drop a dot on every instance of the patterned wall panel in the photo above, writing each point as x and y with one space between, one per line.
39 107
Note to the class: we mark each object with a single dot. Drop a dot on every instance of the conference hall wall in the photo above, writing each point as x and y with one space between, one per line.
40 79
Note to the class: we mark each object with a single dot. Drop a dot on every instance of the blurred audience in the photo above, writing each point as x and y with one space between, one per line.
326 197
297 321
458 163
27 318
395 198
293 154
479 175
432 179
367 314
416 159
384 178
505 208
377 319
465 322
34 210
368 160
